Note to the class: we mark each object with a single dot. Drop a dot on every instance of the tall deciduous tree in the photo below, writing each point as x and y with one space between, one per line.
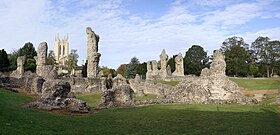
131 68
237 56
266 53
121 69
72 62
108 71
195 60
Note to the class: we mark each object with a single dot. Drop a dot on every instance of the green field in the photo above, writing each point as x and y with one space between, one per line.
154 119
92 99
171 83
258 83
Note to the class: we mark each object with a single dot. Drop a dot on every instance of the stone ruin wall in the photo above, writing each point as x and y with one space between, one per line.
212 86
33 82
84 85
160 71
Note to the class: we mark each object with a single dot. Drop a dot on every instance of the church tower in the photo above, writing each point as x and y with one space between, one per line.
61 50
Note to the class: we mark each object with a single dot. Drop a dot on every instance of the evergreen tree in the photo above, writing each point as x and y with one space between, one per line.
131 68
84 69
4 61
142 69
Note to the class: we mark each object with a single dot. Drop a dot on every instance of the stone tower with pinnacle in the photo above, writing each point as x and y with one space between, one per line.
61 50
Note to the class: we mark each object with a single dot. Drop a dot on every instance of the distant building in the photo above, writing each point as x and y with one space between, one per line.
61 50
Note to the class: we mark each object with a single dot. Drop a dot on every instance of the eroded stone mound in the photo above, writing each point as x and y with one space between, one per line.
213 86
120 95
189 93
56 95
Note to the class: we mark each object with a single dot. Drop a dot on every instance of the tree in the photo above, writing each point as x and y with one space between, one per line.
228 43
4 61
237 56
51 59
29 52
274 55
113 72
13 60
253 68
142 69
105 70
195 60
72 62
121 69
266 53
84 69
171 63
131 68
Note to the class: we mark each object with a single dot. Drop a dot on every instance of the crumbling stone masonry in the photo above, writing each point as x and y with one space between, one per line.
19 72
93 56
43 70
179 65
120 94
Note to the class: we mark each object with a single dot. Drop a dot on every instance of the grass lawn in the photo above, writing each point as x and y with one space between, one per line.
258 84
154 119
171 83
92 99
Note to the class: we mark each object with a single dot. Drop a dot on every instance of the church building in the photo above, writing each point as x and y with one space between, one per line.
61 50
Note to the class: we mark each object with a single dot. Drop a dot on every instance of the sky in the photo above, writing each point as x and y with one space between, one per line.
140 28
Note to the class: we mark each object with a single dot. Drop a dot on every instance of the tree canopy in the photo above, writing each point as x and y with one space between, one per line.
72 61
29 52
195 60
267 54
237 56
131 68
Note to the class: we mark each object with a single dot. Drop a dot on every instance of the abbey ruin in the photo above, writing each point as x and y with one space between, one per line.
212 86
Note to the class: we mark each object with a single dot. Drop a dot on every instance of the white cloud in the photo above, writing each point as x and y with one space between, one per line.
272 33
123 35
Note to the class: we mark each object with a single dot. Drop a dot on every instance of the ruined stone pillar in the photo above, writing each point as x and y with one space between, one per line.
154 67
163 63
41 58
179 65
218 65
19 72
149 70
93 56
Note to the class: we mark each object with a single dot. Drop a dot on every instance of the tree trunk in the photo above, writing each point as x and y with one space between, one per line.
272 72
267 72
